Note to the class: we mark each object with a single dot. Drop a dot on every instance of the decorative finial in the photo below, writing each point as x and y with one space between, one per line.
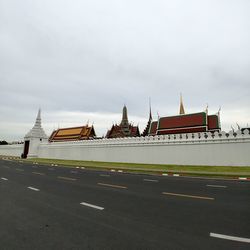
206 108
150 111
182 111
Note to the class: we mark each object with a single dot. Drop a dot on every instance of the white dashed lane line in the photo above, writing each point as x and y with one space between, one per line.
228 237
91 205
66 178
188 196
111 185
34 189
216 186
150 180
19 169
38 173
4 179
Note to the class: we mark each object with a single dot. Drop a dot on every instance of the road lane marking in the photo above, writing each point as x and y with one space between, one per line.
176 175
111 185
105 175
242 178
112 170
120 171
34 189
66 178
189 196
90 205
38 173
218 186
164 174
5 179
151 180
228 237
19 169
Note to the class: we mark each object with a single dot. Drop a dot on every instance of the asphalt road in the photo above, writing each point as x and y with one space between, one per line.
47 207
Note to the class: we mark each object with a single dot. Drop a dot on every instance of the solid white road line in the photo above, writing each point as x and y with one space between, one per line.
90 205
34 189
228 237
150 180
217 186
5 179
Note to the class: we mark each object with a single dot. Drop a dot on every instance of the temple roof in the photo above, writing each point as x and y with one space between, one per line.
37 130
179 121
117 131
153 128
73 133
213 122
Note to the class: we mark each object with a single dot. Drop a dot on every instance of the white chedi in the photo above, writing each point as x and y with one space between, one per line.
37 130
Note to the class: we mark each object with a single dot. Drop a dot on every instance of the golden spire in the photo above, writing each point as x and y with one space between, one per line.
182 111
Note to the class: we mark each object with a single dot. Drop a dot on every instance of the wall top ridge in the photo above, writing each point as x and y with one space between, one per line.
173 138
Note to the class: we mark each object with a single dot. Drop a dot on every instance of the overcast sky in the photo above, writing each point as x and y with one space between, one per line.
82 60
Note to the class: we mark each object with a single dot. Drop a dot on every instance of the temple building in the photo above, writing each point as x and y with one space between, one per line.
124 129
73 134
147 129
184 123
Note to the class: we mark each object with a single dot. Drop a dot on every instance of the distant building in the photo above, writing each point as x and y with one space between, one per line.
184 123
124 129
73 134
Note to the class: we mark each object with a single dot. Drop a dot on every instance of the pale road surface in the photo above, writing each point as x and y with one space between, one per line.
45 207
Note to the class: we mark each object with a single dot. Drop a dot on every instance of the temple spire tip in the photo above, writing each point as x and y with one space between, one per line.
182 110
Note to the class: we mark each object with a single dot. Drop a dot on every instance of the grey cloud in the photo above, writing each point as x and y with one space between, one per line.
94 56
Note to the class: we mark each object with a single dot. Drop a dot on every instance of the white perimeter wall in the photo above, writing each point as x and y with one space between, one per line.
222 150
11 150
232 150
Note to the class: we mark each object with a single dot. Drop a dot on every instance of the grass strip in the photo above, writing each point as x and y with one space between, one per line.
152 168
